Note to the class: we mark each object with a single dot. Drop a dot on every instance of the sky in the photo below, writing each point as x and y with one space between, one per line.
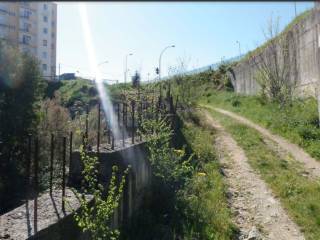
203 33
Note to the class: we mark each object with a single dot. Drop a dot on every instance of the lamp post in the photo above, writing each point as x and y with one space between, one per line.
95 78
239 48
102 63
126 67
171 46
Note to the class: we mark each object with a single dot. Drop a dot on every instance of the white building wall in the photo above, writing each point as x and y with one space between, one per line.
28 25
46 37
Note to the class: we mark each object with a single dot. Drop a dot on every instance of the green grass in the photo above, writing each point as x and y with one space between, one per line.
206 192
297 123
299 195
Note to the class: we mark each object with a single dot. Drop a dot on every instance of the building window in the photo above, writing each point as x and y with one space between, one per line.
45 30
52 23
52 35
44 67
45 18
45 6
44 55
26 14
26 39
44 43
26 27
52 46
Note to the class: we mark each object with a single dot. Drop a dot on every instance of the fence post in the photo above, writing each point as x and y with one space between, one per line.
70 150
64 143
112 142
132 120
118 111
28 167
87 124
98 133
177 99
51 162
123 123
109 132
140 120
36 162
126 115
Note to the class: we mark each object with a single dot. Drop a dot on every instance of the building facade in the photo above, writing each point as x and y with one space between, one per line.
32 26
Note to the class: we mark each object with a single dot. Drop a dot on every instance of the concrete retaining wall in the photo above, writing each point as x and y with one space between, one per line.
304 46
137 182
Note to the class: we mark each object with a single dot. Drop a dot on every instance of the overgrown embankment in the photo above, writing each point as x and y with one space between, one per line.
297 122
188 196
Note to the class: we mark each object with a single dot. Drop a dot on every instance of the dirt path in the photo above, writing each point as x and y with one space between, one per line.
311 165
258 214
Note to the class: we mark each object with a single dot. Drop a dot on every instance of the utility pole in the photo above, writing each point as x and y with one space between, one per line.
295 8
126 67
239 48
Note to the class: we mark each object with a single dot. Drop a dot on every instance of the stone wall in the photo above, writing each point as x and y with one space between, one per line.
304 45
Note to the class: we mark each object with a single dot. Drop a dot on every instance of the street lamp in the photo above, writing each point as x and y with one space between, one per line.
239 48
102 63
126 67
171 46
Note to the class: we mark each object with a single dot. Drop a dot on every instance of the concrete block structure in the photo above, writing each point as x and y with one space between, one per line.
304 48
32 26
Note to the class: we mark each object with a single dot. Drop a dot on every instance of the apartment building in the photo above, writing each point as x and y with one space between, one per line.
32 27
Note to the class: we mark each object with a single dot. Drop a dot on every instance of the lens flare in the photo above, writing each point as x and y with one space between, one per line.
103 91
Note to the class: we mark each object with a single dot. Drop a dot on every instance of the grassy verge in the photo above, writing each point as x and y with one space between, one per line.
299 195
297 123
205 193
187 196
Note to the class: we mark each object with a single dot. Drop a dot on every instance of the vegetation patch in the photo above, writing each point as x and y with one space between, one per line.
297 122
187 180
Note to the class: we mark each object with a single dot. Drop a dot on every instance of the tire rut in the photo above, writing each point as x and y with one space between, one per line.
311 165
257 213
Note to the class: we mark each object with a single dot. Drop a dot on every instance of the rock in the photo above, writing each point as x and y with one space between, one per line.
254 234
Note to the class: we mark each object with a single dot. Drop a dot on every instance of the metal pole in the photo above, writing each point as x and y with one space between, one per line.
132 121
36 162
112 142
70 151
28 167
123 123
59 73
51 162
98 133
140 119
64 143
87 126
109 132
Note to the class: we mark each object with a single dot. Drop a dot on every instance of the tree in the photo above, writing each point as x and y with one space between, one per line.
274 64
21 88
95 218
